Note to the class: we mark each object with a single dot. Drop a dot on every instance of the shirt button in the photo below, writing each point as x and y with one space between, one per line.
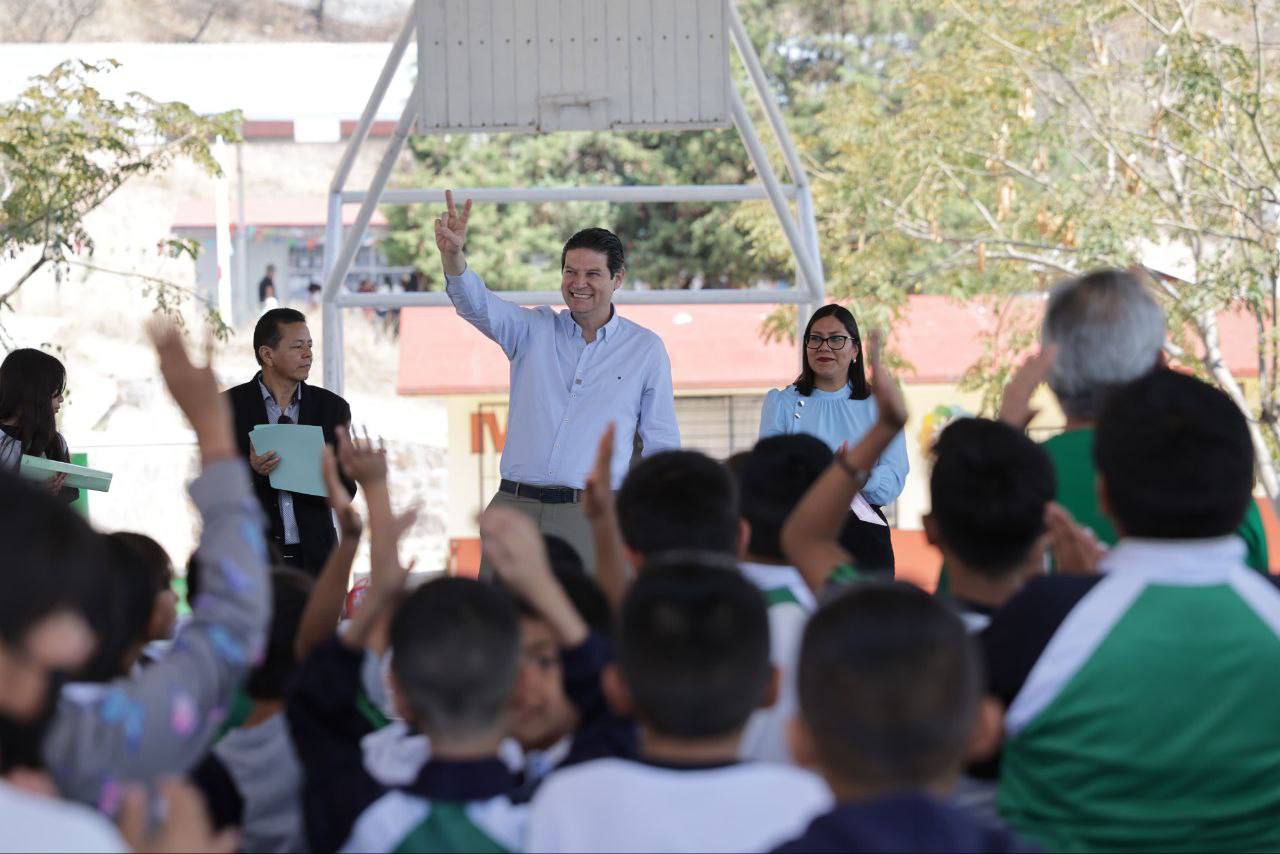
797 415
578 381
802 403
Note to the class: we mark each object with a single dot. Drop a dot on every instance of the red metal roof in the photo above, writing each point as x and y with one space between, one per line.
719 346
268 211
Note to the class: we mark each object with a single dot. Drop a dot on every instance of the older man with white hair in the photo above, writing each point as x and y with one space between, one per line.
1108 330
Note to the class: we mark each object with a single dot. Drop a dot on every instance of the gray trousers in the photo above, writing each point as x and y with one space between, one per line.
563 520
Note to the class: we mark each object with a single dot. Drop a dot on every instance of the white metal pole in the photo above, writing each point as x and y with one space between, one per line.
222 230
660 297
245 289
809 228
375 101
540 195
804 259
333 343
747 53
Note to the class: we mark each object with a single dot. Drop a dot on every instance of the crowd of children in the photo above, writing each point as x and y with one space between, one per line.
730 678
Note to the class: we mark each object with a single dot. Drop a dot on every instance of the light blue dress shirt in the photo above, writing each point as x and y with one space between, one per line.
564 391
287 518
836 418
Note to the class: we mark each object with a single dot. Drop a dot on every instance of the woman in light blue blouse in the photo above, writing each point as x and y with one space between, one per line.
831 400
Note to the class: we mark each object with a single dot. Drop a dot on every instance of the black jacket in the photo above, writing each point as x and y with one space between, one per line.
322 408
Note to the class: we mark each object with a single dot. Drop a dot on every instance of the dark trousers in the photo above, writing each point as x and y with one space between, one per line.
869 544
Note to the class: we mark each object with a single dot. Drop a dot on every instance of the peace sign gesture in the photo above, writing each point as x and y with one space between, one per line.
451 236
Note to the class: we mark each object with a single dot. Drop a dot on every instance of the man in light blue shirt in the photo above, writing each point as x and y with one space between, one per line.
573 373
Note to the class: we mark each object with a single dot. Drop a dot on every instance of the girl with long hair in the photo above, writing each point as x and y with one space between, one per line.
32 386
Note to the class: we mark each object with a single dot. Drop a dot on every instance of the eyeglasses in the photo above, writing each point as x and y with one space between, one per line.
835 342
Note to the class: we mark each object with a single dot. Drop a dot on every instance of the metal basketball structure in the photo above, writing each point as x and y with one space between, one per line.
542 66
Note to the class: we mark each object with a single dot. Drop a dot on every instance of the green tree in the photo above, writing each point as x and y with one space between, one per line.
1024 141
64 149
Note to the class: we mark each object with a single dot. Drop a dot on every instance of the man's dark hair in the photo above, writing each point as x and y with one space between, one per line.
889 684
53 559
456 651
290 589
600 240
267 332
772 480
1176 458
679 501
990 487
693 649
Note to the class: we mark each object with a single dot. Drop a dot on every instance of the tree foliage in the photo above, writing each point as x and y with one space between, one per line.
1023 141
65 148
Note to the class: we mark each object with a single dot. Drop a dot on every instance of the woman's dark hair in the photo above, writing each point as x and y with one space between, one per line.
858 389
29 380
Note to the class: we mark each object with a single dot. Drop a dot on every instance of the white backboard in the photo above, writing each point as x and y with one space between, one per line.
553 65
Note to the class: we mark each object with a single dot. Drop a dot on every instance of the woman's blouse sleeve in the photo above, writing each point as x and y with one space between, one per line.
773 416
889 474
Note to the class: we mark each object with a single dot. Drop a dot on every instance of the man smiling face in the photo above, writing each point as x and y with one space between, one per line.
587 286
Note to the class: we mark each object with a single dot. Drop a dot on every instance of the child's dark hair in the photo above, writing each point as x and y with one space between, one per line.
290 589
121 615
679 501
584 593
152 558
53 559
29 381
456 651
600 240
889 684
990 487
772 480
1176 458
693 649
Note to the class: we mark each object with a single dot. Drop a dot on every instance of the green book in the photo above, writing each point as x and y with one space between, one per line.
80 477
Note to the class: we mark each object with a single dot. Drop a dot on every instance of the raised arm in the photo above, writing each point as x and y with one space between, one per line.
161 721
324 606
810 537
504 322
613 572
889 474
519 555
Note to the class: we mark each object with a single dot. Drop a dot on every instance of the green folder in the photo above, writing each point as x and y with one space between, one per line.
300 447
80 477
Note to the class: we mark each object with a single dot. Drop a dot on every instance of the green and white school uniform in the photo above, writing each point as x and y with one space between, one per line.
1144 703
790 603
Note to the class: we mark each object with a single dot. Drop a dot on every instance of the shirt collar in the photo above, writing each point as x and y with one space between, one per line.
266 392
610 328
1179 562
772 576
466 780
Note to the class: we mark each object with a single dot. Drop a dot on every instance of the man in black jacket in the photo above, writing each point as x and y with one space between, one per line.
301 525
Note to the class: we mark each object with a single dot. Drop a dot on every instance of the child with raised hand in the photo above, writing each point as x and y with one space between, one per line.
161 720
559 714
890 689
811 535
455 655
693 664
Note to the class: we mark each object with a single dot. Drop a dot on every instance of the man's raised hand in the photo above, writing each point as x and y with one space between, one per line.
451 235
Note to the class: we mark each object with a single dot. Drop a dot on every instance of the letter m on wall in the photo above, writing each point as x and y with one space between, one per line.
487 422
